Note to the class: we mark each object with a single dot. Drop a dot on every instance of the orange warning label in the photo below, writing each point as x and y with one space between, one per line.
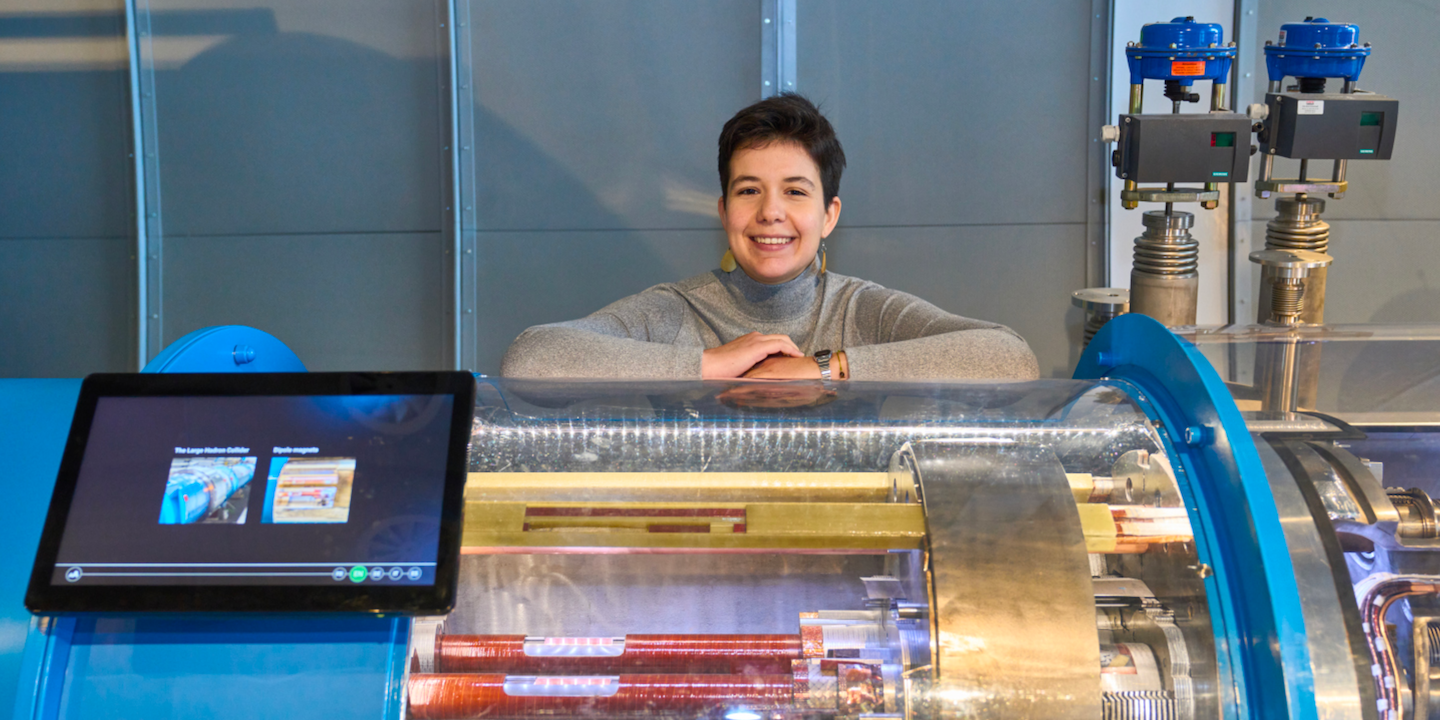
1187 67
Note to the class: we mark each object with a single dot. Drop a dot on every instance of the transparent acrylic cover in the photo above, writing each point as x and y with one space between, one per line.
1362 374
767 550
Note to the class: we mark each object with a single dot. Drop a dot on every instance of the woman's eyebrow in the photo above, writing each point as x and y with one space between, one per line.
751 178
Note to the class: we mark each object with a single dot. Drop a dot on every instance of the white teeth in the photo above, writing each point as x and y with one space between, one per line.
771 240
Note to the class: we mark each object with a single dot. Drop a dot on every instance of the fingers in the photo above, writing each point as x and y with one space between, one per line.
743 353
776 344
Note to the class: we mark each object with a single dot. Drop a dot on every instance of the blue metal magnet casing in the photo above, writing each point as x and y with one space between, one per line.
1316 48
1260 639
1154 58
226 348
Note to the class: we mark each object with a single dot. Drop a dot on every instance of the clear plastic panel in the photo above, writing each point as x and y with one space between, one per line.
753 550
1375 375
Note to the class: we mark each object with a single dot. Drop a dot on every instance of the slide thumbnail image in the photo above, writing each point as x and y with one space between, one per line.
207 490
312 490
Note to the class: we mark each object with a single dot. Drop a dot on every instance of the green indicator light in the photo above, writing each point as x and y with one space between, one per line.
1220 174
1371 118
1367 152
1222 139
358 573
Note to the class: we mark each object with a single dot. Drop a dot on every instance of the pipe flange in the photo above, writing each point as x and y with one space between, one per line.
1102 300
1291 263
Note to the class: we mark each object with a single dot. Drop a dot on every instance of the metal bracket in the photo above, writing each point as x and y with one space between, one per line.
145 149
1178 195
462 250
777 47
1264 188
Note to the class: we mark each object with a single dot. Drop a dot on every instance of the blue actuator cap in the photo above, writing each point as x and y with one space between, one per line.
1316 48
1181 49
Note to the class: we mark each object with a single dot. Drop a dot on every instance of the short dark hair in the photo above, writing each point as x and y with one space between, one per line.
787 117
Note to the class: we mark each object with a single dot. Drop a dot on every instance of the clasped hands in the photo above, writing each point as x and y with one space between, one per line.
764 357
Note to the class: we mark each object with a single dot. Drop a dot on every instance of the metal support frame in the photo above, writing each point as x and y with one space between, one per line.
1238 267
1097 210
777 47
149 250
460 226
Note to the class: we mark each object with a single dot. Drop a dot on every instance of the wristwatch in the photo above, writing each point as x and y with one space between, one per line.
822 358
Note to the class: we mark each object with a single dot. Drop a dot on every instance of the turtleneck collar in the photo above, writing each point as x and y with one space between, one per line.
783 301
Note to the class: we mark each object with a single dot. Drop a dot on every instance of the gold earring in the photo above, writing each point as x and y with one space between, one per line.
822 257
727 262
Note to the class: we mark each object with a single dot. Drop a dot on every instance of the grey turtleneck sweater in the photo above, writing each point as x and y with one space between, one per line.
660 333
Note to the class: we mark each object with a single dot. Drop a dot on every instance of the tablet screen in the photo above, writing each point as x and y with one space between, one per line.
317 499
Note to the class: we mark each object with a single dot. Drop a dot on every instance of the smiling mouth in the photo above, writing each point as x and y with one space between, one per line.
772 242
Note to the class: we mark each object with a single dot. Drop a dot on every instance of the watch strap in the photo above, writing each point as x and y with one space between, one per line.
822 358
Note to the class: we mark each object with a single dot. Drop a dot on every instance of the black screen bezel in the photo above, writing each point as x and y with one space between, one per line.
439 598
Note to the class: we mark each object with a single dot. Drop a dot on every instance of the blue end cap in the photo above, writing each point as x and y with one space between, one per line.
1261 642
1195 43
1316 48
226 348
1183 32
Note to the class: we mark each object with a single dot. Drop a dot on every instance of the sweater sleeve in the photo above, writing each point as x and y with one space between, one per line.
629 339
897 336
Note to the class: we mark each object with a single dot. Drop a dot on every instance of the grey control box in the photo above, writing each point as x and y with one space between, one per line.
1199 147
1330 126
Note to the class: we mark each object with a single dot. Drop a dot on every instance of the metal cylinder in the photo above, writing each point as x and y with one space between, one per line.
1286 300
1163 279
1094 322
1297 226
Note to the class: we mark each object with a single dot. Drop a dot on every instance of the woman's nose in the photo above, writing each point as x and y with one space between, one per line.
771 209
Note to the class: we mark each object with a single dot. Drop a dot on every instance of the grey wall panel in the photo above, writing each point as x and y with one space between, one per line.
1402 66
602 116
64 140
1017 275
341 302
953 113
63 306
530 278
301 125
65 192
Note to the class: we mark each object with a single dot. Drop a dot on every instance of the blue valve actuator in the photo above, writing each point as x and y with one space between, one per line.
1316 48
1199 52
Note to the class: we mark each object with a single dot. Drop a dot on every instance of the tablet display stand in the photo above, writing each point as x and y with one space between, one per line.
215 665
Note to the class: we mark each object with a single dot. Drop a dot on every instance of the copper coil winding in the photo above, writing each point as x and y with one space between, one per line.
458 696
724 654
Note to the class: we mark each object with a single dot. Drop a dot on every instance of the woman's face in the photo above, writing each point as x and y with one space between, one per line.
774 211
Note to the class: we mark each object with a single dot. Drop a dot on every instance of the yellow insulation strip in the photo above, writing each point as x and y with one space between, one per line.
801 526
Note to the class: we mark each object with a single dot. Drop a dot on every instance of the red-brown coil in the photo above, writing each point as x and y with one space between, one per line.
723 654
460 696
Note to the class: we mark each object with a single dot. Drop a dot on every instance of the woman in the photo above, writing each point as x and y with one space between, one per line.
772 310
